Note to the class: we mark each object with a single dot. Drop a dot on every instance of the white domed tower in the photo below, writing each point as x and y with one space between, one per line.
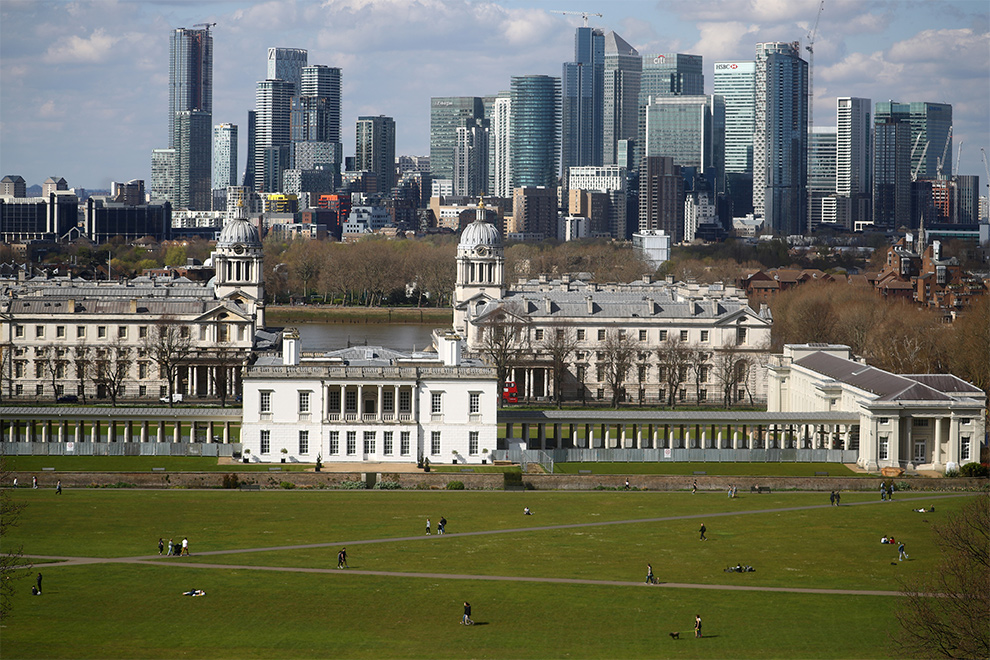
238 261
480 268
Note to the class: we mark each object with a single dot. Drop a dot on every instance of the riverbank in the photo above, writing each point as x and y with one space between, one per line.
286 315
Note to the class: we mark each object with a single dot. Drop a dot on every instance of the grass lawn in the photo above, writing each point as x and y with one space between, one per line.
128 610
721 469
139 464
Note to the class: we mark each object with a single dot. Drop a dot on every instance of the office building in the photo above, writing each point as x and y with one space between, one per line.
665 75
535 138
780 138
689 129
252 125
853 161
930 124
13 185
966 200
130 193
699 210
735 82
891 171
224 156
272 131
661 197
471 159
190 75
193 160
534 212
316 113
500 159
287 64
611 182
582 100
821 175
375 149
163 165
623 71
446 114
37 218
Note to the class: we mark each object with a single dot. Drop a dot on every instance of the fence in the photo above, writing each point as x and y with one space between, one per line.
523 456
208 450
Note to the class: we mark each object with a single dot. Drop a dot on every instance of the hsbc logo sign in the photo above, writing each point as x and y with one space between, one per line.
726 67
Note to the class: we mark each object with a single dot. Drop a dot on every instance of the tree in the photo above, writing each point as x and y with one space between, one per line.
169 345
558 344
226 356
82 360
504 339
53 359
673 359
698 363
618 353
111 367
726 362
12 564
6 364
947 612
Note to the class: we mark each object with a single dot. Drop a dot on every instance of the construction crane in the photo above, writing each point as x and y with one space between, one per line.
209 25
811 66
940 162
958 156
921 160
986 168
582 14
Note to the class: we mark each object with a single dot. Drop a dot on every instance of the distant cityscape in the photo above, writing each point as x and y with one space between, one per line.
622 146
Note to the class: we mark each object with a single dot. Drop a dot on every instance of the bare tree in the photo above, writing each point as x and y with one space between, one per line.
618 353
225 356
698 363
111 368
673 358
726 362
947 612
6 366
558 344
53 359
82 360
12 563
504 339
169 345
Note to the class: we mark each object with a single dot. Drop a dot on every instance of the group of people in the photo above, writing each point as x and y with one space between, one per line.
901 555
441 526
732 491
173 549
834 498
887 491
342 558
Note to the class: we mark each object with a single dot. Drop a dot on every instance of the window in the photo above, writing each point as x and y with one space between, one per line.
405 401
580 373
539 334
920 421
404 443
580 355
684 335
162 391
101 331
304 442
740 336
333 401
80 331
304 403
142 369
622 334
266 442
883 420
184 331
964 448
388 401
600 394
704 335
122 332
703 373
369 442
474 403
702 395
965 420
682 395
39 370
350 401
265 405
39 389
435 443
642 372
334 442
60 331
642 335
18 330
387 442
473 443
884 444
601 335
142 390
39 331
663 335
436 403
142 331
581 334
351 443
19 389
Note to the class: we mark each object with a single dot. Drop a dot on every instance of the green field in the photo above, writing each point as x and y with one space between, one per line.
582 556
712 469
139 464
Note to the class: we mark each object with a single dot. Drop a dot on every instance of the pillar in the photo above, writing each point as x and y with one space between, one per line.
937 449
381 408
177 432
144 431
160 435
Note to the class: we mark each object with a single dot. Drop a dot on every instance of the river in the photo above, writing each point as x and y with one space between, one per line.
399 336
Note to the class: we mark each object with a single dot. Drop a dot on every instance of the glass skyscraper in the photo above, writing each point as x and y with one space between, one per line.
930 123
623 70
375 149
287 64
690 130
224 156
664 75
582 92
190 100
853 162
447 113
535 133
821 174
272 131
736 83
499 131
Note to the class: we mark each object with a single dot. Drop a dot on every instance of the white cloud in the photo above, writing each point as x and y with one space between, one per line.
75 50
49 110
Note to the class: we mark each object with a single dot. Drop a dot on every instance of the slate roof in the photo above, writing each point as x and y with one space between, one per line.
887 386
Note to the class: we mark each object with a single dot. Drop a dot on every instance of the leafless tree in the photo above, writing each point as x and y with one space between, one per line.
12 563
6 366
504 339
698 363
225 357
618 352
558 344
673 359
82 361
53 359
726 363
169 345
111 367
947 612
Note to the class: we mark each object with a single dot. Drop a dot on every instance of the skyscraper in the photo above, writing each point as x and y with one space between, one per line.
471 159
689 129
252 124
193 157
821 175
736 83
664 75
930 124
224 155
287 64
500 161
780 137
853 160
375 149
661 197
535 139
446 114
163 174
323 117
891 171
582 100
272 131
623 71
190 74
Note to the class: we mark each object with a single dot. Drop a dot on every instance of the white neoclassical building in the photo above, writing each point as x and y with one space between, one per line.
913 421
369 404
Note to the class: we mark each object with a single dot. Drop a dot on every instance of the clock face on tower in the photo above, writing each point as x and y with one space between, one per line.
481 251
238 249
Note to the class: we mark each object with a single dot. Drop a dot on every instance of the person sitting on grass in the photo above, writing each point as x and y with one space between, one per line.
527 512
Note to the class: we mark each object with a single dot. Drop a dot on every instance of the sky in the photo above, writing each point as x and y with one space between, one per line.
84 85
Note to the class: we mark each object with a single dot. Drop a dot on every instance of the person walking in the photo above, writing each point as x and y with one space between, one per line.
831 498
171 547
467 615
901 555
694 487
649 574
185 546
890 492
342 558
428 527
58 487
697 625
161 546
34 482
883 491
442 526
38 580
838 496
703 530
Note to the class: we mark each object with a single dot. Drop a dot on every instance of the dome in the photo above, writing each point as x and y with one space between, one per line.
239 231
480 233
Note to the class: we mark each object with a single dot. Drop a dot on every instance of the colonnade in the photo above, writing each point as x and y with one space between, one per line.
113 430
380 409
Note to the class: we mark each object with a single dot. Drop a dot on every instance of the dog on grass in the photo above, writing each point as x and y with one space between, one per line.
675 635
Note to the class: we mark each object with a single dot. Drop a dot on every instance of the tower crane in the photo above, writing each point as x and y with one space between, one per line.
811 66
582 14
921 159
940 162
209 25
958 156
986 168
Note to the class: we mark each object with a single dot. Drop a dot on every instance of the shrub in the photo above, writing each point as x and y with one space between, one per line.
352 485
974 470
954 472
388 485
455 485
287 485
903 485
231 481
512 480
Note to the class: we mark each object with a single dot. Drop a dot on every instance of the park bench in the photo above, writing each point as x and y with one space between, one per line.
467 470
274 469
700 472
584 471
250 487
821 474
47 469
760 489
157 469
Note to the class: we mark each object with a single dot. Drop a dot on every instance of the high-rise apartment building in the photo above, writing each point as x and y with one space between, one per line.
611 182
665 75
447 113
375 149
193 158
163 179
287 64
319 105
930 124
689 129
190 74
661 197
272 133
534 211
471 159
535 136
224 156
853 161
252 124
780 137
821 175
582 100
891 171
623 71
500 160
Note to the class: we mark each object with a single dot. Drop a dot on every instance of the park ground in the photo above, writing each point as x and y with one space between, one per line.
565 582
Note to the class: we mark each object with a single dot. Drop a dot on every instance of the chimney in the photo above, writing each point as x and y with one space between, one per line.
591 304
133 306
72 306
547 305
649 306
290 347
450 350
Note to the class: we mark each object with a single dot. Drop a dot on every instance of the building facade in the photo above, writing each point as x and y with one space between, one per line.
272 133
582 100
735 82
375 149
534 142
446 114
287 64
623 71
853 160
821 176
661 197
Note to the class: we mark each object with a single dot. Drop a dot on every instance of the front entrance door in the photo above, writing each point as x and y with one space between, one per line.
920 455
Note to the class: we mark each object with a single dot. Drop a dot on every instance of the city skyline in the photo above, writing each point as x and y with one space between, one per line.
84 83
